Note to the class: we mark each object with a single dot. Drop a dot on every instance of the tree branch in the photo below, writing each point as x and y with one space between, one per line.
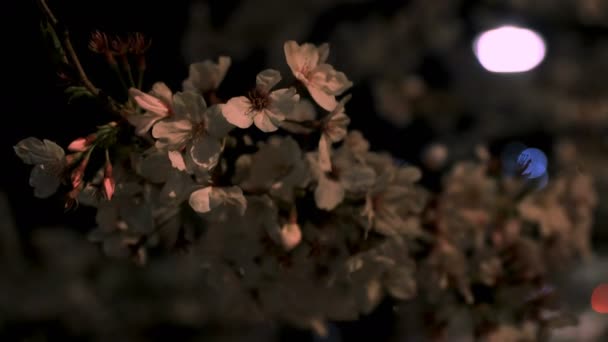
67 45
73 57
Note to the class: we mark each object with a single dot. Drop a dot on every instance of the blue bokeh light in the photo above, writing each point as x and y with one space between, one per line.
532 163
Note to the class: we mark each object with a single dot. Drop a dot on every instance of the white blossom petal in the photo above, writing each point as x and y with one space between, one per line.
143 122
263 121
216 124
189 106
177 160
205 151
267 79
358 179
207 75
283 101
171 133
237 111
161 91
200 201
323 99
324 153
300 57
34 151
328 194
149 102
45 183
329 80
336 128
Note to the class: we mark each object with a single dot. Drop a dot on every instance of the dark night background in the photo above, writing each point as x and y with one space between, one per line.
38 107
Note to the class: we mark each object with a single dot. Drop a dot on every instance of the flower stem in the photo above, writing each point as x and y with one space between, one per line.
127 67
140 78
116 70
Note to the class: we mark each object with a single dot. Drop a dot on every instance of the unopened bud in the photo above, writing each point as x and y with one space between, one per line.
109 184
291 235
82 144
78 173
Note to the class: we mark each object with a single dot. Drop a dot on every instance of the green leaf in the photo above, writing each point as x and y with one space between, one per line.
76 92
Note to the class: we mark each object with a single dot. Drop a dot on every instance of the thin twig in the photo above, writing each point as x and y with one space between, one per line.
69 48
48 12
72 53
67 45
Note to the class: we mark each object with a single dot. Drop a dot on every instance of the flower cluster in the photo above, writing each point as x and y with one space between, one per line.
308 232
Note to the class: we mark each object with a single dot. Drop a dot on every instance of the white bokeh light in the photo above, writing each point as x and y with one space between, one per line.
509 49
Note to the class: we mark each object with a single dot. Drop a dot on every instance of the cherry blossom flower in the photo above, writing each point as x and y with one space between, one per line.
277 167
394 202
193 128
206 76
208 198
264 108
307 63
49 163
348 176
157 103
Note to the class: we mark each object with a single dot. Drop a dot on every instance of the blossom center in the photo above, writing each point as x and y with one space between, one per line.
259 100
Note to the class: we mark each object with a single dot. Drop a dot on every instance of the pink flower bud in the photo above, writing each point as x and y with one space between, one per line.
78 173
291 235
82 144
78 145
109 184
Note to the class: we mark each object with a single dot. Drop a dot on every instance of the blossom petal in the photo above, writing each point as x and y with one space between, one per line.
300 57
217 125
323 52
149 102
207 75
161 91
205 151
267 79
263 121
328 193
324 153
44 182
177 160
336 128
236 111
171 133
143 122
189 106
199 200
323 99
34 151
283 101
358 179
329 80
232 196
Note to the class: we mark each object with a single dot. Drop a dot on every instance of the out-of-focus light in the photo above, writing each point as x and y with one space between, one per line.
532 162
509 49
599 299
